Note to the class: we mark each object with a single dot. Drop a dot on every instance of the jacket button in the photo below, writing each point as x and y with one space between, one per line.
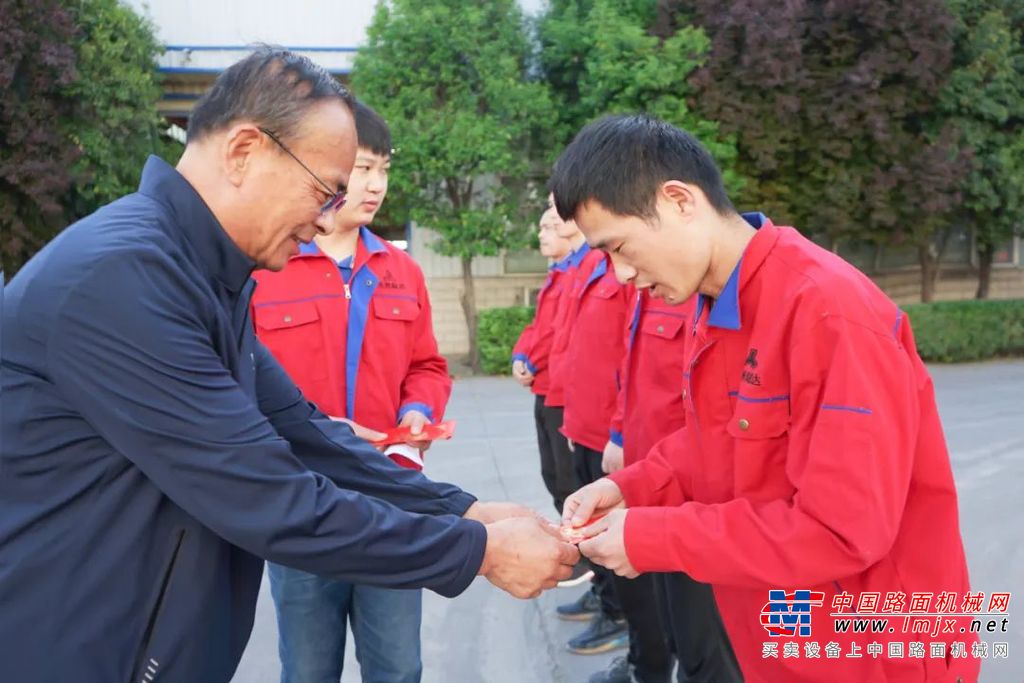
684 393
327 274
369 283
287 318
744 424
661 329
395 311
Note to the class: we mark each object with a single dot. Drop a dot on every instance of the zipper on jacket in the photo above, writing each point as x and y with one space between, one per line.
348 291
141 674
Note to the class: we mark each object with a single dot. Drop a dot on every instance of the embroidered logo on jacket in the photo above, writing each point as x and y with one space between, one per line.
388 281
749 376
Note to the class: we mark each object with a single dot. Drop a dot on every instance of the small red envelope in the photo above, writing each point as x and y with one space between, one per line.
575 535
443 430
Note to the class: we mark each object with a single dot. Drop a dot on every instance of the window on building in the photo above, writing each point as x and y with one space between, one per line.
1004 253
896 257
959 247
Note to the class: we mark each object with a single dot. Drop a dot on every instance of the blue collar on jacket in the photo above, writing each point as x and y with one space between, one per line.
726 311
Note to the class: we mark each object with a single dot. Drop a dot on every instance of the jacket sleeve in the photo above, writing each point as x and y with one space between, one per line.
523 346
854 399
660 478
535 340
427 385
131 351
330 448
622 377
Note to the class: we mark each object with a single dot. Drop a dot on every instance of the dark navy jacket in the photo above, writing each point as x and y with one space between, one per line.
154 453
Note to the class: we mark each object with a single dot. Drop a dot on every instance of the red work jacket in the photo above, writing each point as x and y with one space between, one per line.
812 459
594 324
650 400
534 344
563 326
364 350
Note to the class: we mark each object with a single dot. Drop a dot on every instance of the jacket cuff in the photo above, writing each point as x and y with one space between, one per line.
421 407
477 539
632 482
526 361
457 503
616 438
646 540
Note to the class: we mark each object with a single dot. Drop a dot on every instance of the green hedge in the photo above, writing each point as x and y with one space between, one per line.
957 331
498 331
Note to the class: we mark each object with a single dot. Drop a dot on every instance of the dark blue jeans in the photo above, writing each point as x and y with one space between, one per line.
312 612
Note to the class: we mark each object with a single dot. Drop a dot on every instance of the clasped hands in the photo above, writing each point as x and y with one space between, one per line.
527 554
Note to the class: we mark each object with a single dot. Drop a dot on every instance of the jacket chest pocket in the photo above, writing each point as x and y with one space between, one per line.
759 428
294 333
393 323
662 326
606 287
398 309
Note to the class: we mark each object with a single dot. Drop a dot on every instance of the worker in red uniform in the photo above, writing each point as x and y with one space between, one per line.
598 605
593 342
811 477
530 358
651 407
349 320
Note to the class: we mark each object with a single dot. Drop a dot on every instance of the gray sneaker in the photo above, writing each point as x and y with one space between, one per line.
604 634
582 608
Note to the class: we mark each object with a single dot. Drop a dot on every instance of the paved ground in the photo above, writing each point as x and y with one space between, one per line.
486 636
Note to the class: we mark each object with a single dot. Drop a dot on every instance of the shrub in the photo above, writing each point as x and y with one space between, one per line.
957 331
499 330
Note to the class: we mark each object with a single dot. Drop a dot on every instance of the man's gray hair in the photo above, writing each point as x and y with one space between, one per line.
272 87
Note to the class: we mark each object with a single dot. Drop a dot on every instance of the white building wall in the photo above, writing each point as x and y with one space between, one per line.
327 31
434 265
205 36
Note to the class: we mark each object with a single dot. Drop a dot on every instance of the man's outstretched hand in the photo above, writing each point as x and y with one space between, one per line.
525 556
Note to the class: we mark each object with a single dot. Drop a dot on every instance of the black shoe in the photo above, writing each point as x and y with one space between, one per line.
621 671
582 609
603 635
581 573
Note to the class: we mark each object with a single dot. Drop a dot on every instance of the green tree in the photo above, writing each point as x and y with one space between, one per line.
116 125
78 109
600 58
37 65
985 99
833 105
451 78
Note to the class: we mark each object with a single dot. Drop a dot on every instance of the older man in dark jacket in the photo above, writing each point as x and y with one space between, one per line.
154 452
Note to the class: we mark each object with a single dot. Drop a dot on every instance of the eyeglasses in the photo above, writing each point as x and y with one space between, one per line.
336 199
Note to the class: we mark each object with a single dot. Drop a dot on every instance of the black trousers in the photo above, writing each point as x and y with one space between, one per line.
556 460
588 469
632 599
649 648
696 633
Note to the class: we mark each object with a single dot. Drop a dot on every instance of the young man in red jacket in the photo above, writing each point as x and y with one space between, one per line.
812 476
651 407
349 319
530 360
599 603
594 325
